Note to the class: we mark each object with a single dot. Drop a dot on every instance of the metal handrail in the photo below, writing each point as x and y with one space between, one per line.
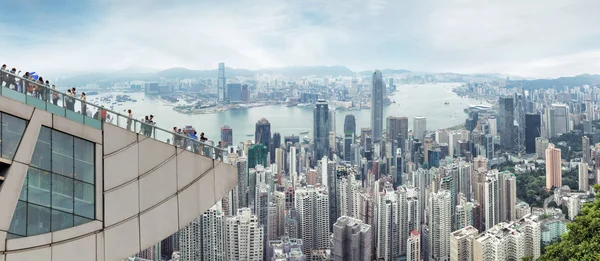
47 95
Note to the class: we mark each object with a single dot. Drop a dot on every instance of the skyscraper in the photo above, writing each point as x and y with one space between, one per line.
533 130
461 244
395 126
262 133
221 84
350 124
553 167
243 237
561 118
226 135
439 224
257 155
492 200
212 234
419 127
583 177
190 240
312 206
388 237
377 96
506 121
585 148
508 197
321 130
351 240
413 246
275 144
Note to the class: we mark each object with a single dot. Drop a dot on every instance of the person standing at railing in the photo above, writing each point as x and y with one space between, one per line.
175 137
55 95
67 99
83 103
194 137
47 91
38 89
129 120
25 84
151 126
3 75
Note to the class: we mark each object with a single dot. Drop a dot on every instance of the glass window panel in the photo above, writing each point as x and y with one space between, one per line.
61 220
12 130
62 153
23 195
84 199
81 220
18 225
38 220
12 236
38 189
42 153
84 160
62 193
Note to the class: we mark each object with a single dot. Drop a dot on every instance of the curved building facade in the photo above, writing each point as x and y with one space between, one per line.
76 191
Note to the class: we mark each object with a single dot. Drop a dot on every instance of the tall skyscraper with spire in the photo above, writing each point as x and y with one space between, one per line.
221 84
377 95
262 133
321 129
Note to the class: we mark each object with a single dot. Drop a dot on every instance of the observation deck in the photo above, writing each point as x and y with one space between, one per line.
81 182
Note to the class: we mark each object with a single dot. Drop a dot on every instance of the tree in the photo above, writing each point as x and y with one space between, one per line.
582 242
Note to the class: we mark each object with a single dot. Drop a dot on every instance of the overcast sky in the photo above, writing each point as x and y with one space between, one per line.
531 38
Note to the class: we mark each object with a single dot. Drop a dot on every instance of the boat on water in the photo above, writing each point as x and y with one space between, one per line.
304 132
446 103
249 135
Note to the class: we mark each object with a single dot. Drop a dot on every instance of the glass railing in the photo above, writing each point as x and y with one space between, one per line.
49 99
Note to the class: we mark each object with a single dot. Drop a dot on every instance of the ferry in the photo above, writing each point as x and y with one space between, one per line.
446 103
304 132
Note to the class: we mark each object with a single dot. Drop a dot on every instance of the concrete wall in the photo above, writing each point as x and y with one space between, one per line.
148 191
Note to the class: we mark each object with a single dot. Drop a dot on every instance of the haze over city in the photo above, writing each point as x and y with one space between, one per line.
535 39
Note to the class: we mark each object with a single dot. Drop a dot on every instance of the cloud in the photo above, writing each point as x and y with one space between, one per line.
542 38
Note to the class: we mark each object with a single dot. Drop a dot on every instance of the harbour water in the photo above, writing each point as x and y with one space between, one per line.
411 100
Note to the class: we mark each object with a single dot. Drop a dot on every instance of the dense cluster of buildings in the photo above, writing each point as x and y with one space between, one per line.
396 190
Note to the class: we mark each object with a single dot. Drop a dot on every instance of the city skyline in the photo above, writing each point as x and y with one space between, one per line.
556 40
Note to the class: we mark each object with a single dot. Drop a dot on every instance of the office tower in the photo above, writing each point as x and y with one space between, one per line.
520 123
533 124
243 237
275 144
276 223
413 246
212 234
261 203
506 122
509 241
257 155
553 167
242 168
262 133
492 200
541 144
508 197
388 234
377 96
464 212
234 92
348 141
221 84
585 148
321 130
419 127
461 244
349 189
493 123
463 182
190 240
332 122
327 176
583 177
350 124
395 126
351 240
549 123
293 163
226 136
245 93
285 249
279 160
439 224
312 206
561 119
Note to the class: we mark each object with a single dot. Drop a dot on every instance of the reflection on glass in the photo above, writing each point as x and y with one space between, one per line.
58 191
38 220
39 187
62 193
11 131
